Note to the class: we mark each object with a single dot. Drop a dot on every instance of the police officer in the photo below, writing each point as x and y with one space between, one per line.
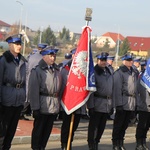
68 57
124 98
65 128
44 86
135 66
12 85
143 65
33 61
100 102
110 60
143 108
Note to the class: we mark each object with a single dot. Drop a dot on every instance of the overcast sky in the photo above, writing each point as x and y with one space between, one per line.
128 17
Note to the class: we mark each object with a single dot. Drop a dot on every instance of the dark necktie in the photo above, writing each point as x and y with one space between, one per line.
51 68
17 60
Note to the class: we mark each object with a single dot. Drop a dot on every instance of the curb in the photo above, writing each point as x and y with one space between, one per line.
56 137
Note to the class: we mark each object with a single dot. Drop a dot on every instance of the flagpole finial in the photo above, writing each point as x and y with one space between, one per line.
88 15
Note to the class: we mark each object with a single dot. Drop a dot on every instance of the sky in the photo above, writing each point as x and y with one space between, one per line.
127 17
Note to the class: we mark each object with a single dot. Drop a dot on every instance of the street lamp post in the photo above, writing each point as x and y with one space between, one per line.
117 49
40 40
20 14
25 37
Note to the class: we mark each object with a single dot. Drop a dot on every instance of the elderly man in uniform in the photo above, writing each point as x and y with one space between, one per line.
44 86
12 85
124 98
33 61
100 102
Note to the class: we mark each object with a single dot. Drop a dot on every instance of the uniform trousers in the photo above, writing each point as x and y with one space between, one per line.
65 128
10 122
42 128
143 125
121 122
96 126
26 109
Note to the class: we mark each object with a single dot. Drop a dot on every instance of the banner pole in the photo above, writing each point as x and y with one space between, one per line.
70 132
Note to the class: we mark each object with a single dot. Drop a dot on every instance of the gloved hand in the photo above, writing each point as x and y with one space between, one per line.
91 112
36 114
119 108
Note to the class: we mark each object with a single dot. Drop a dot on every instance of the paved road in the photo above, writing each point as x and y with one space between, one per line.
80 139
79 145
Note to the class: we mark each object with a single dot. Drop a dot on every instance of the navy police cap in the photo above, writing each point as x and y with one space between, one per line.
68 56
137 59
128 56
14 39
143 62
103 55
48 51
110 57
42 45
34 51
73 51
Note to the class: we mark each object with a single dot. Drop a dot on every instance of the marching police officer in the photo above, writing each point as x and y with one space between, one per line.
100 102
12 85
44 86
143 108
124 98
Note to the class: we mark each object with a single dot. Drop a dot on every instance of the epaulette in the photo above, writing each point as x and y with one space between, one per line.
34 67
108 69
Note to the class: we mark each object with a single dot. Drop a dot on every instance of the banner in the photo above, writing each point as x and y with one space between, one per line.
81 79
145 79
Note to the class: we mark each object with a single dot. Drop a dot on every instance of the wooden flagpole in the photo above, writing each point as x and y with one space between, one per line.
70 132
88 17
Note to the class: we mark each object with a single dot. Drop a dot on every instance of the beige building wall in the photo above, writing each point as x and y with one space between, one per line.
140 53
102 40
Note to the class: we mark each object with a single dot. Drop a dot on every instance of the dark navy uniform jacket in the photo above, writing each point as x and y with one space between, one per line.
12 80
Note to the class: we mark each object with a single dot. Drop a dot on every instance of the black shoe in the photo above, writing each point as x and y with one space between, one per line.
23 118
28 114
86 117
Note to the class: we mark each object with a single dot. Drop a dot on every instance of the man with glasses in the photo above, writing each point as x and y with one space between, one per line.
124 98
